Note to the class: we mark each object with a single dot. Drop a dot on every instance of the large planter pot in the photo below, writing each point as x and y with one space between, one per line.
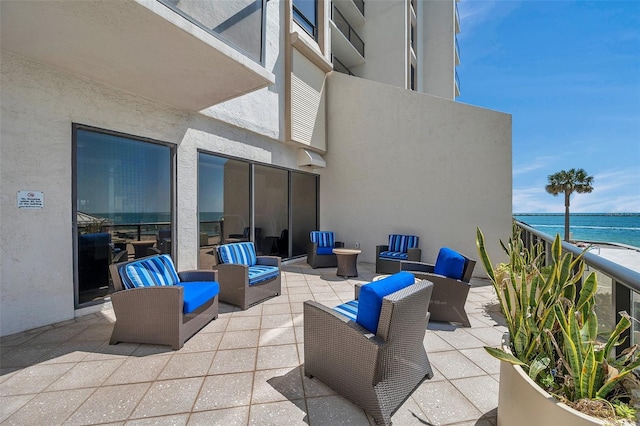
522 402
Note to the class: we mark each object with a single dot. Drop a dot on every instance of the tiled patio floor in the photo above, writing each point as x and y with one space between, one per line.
245 368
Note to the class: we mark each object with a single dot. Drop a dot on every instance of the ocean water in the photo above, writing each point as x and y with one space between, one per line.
614 228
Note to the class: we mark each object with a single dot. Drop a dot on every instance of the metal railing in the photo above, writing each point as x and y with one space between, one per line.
339 66
345 28
618 287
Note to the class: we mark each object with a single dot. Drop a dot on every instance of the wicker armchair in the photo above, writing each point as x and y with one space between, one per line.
400 247
319 249
450 284
245 278
377 371
159 314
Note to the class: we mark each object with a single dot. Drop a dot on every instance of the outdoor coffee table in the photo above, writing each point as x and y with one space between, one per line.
347 262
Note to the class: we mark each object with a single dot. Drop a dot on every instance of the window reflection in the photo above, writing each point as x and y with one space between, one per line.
123 204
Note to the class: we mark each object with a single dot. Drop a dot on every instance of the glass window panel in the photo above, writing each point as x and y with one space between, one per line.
271 197
223 204
303 210
123 204
305 14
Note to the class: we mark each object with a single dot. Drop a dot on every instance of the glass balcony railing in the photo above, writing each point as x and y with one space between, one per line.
457 82
618 287
344 27
238 23
360 5
339 66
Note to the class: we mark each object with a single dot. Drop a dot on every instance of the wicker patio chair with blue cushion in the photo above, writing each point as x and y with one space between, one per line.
154 304
371 350
320 249
400 247
245 278
450 275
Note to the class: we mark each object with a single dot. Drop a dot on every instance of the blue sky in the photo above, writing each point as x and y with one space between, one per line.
569 74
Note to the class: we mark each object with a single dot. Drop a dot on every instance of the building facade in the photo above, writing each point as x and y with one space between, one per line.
160 125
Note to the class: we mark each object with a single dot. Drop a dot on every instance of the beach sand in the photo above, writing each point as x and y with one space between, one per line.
622 255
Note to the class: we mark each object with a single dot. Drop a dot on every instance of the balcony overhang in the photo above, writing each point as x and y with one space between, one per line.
342 48
312 159
139 46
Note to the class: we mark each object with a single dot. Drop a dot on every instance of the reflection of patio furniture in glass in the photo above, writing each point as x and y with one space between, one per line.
204 239
347 262
94 257
450 276
245 278
140 247
164 241
270 245
246 232
371 350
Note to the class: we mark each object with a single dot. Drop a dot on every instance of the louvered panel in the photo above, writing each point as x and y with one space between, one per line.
305 103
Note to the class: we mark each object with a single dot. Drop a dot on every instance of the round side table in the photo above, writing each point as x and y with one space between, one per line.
347 259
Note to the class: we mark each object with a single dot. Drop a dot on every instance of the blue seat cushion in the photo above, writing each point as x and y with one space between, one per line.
150 271
259 273
449 263
371 295
324 250
402 243
394 255
323 238
349 309
238 253
196 293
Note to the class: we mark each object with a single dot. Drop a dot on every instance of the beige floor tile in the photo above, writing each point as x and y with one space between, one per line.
481 391
237 416
107 351
218 325
70 352
459 339
33 379
481 358
169 397
314 387
234 361
270 357
435 343
174 420
183 365
201 342
273 321
444 404
243 323
410 414
49 408
490 336
86 374
239 339
333 411
138 370
289 413
11 404
109 404
277 336
276 309
454 365
277 385
225 391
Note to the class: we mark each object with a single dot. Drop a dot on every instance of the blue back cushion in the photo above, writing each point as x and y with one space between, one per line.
238 253
450 263
150 271
323 238
402 243
371 295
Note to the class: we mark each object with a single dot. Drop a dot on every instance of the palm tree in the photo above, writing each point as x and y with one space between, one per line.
568 182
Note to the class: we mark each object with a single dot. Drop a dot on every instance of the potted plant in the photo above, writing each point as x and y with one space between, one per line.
553 361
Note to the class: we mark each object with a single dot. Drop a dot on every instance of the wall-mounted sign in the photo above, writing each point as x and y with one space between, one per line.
30 199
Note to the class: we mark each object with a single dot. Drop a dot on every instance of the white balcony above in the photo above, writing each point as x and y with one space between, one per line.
139 46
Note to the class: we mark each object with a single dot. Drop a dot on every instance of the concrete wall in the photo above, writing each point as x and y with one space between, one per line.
39 104
436 48
404 162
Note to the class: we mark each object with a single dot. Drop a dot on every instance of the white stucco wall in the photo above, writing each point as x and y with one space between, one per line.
38 106
404 162
436 48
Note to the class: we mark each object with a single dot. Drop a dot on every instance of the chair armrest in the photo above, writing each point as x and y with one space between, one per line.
356 290
198 275
414 254
268 260
231 274
157 302
380 249
338 244
416 266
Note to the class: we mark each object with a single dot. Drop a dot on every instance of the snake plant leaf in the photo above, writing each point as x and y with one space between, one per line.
588 374
587 294
503 356
538 365
612 381
622 325
484 257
